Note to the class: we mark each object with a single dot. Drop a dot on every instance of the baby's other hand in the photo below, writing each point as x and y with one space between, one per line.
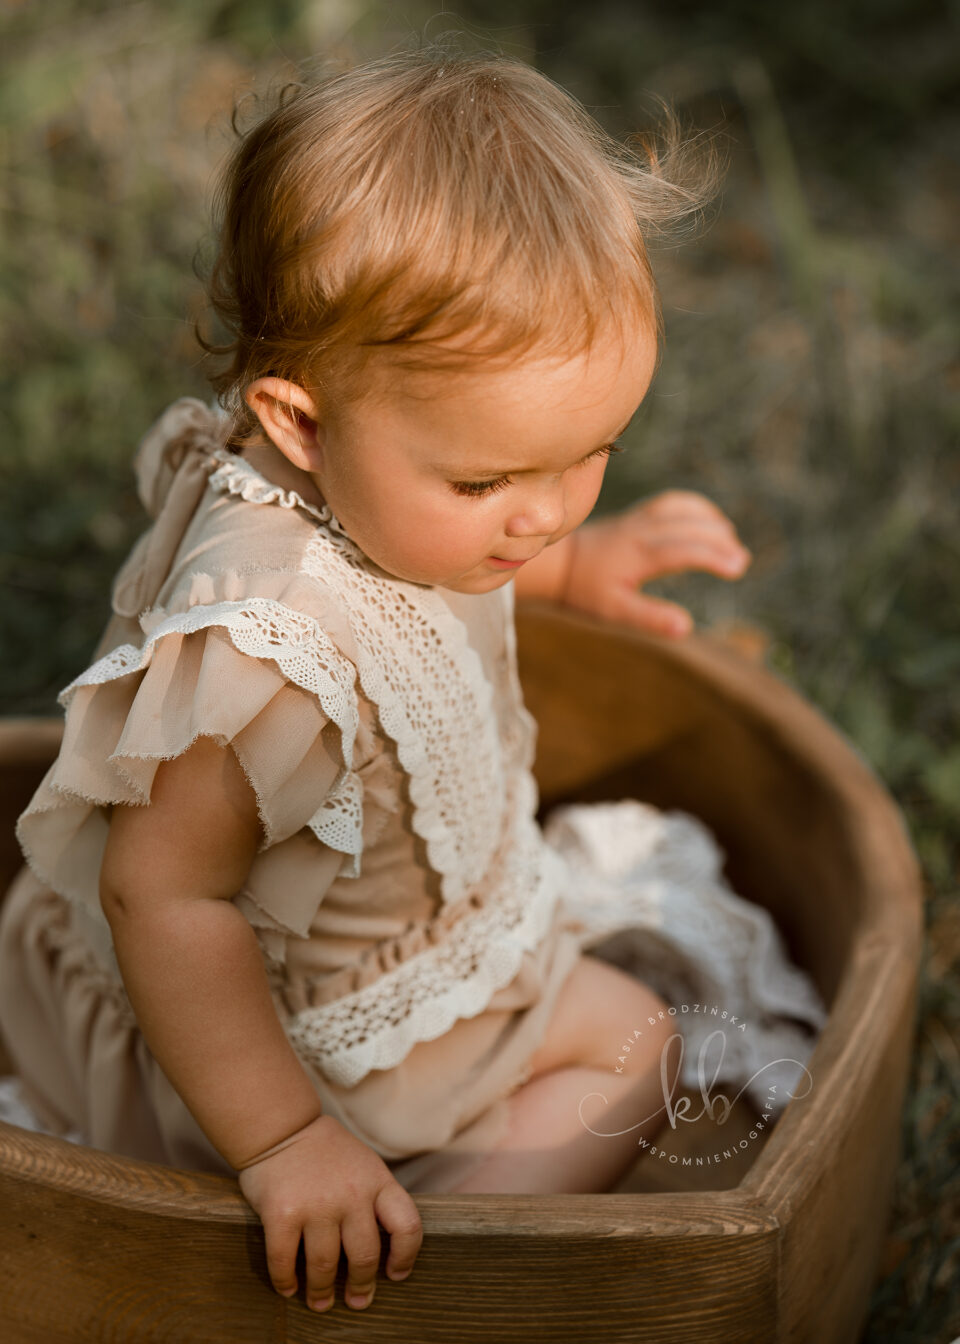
665 534
328 1186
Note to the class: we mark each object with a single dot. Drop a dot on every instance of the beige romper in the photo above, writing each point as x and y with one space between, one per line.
415 923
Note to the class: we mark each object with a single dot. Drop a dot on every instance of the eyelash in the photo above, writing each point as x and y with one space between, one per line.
478 489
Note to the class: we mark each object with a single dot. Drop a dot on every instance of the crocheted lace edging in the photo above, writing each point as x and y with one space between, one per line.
413 656
304 653
235 476
377 1026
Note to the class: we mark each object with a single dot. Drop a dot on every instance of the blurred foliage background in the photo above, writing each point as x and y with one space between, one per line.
808 386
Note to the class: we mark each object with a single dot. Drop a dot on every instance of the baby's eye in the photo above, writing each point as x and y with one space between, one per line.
608 450
477 489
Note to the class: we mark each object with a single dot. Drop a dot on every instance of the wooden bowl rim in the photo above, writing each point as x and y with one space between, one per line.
888 950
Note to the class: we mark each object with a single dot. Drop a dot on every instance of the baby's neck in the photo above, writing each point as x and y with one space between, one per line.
268 460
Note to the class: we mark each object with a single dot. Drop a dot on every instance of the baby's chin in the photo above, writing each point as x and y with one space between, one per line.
480 579
481 583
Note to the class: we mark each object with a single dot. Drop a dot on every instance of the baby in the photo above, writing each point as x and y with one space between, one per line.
294 799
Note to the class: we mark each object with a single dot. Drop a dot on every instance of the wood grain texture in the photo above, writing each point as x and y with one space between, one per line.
783 1247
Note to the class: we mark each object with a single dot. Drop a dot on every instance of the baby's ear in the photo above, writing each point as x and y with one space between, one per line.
289 418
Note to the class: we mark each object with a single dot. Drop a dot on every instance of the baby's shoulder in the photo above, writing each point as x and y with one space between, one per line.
246 525
249 542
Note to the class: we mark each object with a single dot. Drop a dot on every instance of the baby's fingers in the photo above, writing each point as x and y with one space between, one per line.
655 615
281 1233
671 553
689 504
398 1213
361 1246
321 1245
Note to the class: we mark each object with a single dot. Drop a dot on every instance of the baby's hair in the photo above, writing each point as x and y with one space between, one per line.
431 194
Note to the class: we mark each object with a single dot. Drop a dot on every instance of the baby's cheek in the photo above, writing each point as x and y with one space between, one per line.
430 546
585 492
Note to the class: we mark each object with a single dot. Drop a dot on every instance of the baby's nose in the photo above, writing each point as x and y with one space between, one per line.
540 516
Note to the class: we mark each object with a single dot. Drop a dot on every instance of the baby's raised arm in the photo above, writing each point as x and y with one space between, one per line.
192 969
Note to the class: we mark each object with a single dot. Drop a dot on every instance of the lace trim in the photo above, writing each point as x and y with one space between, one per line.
376 1027
235 476
434 700
305 654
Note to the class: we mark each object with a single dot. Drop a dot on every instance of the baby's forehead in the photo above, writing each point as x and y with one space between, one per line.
459 368
501 417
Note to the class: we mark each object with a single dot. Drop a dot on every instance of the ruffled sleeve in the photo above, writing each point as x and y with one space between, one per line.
239 677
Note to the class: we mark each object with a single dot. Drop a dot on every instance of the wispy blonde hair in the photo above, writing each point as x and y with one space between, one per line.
429 194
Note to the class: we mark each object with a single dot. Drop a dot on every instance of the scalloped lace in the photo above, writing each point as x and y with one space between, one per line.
376 1027
306 655
433 698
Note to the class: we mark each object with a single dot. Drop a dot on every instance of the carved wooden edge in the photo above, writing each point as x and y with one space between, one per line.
65 1169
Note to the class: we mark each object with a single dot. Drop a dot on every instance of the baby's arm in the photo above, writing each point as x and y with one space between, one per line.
195 978
190 961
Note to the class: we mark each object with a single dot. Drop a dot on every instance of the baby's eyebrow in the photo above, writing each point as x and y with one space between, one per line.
479 473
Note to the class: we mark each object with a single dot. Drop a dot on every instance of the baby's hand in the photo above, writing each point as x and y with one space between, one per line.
666 534
326 1186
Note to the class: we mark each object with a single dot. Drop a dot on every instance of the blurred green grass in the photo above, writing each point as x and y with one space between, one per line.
808 386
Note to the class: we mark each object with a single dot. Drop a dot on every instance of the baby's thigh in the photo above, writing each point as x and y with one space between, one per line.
599 1007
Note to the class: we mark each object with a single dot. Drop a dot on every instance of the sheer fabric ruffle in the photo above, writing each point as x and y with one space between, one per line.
196 677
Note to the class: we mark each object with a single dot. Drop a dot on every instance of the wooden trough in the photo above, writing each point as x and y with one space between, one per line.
781 1246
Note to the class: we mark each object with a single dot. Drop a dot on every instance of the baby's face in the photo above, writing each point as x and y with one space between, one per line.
450 473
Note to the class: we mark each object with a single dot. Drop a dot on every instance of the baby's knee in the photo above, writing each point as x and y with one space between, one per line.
626 1021
650 1025
602 1016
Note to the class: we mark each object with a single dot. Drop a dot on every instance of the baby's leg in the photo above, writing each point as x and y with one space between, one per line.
548 1147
